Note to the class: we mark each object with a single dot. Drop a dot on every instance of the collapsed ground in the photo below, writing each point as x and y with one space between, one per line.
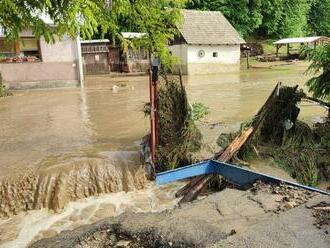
266 214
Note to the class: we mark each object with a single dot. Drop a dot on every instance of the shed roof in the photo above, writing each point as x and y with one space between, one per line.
131 35
208 28
94 41
299 40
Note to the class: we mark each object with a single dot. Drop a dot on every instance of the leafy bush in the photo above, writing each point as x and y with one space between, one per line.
3 90
320 84
199 111
179 138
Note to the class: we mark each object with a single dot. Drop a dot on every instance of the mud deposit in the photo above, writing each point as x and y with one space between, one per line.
221 220
56 185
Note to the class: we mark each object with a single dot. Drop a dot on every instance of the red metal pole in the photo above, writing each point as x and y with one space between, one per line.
156 112
152 118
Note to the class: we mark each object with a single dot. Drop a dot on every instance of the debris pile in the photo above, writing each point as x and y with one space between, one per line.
178 136
274 132
287 196
321 212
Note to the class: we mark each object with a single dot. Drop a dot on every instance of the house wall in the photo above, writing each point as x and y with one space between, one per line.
181 53
59 68
228 59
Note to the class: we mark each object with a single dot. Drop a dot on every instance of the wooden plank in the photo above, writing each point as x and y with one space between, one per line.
234 147
193 189
184 190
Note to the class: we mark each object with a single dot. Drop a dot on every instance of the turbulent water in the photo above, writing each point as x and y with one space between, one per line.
26 227
55 145
57 185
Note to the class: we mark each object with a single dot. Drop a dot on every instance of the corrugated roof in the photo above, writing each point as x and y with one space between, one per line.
208 28
94 41
131 35
298 40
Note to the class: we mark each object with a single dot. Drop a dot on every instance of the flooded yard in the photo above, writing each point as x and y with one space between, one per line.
41 126
94 133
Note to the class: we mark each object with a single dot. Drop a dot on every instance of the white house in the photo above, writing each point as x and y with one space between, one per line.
207 43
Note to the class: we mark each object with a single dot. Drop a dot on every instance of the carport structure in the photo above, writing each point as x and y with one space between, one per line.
309 41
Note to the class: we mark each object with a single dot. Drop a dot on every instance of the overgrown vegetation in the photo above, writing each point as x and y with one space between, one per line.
199 111
319 17
304 152
272 18
3 90
319 85
179 138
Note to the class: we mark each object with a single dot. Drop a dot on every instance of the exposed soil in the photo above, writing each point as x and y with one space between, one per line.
265 216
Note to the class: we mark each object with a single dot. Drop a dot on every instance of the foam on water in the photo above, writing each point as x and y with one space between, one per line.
24 228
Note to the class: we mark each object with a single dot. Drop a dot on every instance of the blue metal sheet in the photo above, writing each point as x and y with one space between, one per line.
234 174
202 168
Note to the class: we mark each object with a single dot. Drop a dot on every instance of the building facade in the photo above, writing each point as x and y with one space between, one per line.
207 44
32 63
103 57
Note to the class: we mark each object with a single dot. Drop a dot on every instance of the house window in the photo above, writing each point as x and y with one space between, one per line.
24 50
7 49
29 47
215 54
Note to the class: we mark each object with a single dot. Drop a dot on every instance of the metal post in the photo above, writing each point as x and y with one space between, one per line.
152 118
80 70
156 112
247 59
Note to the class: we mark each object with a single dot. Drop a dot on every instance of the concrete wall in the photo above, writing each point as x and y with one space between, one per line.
60 51
181 53
59 68
228 59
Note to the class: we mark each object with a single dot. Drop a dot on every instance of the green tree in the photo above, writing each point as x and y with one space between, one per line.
319 85
319 17
68 17
272 13
294 18
284 18
244 15
263 18
157 18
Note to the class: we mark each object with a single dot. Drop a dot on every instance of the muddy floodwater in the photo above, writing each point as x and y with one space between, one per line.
42 126
60 146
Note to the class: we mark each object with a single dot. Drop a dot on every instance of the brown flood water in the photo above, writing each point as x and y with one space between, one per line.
92 133
41 126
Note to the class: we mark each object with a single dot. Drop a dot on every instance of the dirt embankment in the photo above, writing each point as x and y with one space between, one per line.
265 216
